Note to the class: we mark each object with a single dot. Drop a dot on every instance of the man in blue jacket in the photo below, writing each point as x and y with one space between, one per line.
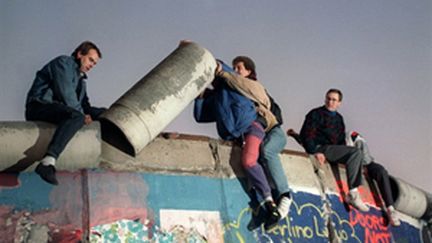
236 119
58 95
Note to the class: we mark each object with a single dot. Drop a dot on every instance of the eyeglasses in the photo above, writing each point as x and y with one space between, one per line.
331 99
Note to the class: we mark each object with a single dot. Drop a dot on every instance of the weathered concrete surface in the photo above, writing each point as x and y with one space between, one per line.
188 154
154 101
410 200
189 187
22 143
197 155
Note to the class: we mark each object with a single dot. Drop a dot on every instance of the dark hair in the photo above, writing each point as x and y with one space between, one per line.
337 91
249 65
85 47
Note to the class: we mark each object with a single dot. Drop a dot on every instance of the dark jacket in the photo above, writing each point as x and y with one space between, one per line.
232 112
322 127
276 110
60 81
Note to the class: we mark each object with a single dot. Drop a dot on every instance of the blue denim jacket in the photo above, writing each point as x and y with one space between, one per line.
59 81
232 112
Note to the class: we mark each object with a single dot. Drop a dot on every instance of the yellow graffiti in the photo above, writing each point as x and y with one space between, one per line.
287 231
240 237
236 224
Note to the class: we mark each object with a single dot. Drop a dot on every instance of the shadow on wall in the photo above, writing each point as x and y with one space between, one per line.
9 176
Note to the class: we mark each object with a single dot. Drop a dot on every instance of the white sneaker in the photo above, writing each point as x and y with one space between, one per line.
354 199
284 206
393 216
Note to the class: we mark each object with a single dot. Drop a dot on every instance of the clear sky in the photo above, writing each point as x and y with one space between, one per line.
378 52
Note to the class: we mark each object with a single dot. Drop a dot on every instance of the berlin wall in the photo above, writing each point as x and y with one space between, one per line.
122 181
188 189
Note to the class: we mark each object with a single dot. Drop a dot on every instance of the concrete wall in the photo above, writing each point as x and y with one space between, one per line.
186 189
22 143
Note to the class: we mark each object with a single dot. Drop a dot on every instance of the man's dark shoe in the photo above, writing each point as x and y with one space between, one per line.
273 216
47 173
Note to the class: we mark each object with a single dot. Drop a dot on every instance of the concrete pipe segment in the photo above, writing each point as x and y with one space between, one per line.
410 199
22 143
428 214
153 102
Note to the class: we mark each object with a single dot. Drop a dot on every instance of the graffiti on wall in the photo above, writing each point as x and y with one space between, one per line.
204 224
176 226
305 223
374 226
130 207
63 210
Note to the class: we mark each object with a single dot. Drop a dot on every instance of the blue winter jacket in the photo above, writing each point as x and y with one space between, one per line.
60 81
232 112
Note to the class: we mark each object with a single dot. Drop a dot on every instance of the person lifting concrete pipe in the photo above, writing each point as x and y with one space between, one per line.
153 102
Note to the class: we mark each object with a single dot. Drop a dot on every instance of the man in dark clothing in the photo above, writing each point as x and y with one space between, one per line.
58 95
378 173
323 135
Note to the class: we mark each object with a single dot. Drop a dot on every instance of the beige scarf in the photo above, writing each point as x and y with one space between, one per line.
255 91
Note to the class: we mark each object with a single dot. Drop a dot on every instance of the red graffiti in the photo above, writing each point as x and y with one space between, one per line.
67 237
376 237
9 180
369 221
374 226
110 197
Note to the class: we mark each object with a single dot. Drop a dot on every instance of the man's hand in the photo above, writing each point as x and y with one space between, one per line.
365 171
321 158
184 42
88 119
201 95
218 67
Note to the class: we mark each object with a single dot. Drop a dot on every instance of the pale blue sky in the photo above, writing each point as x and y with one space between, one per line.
378 52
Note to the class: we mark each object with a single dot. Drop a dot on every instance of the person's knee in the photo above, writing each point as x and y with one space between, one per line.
77 117
353 153
249 158
377 171
251 150
269 152
380 168
357 152
357 155
96 112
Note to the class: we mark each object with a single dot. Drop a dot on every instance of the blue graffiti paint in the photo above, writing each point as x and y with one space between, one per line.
227 196
32 194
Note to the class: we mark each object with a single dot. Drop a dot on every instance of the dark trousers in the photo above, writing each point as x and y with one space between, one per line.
68 122
349 156
378 173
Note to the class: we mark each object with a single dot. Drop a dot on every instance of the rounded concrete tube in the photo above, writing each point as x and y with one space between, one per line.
428 214
22 143
153 102
408 198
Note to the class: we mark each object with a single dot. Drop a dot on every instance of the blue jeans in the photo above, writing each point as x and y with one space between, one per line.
68 122
273 143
